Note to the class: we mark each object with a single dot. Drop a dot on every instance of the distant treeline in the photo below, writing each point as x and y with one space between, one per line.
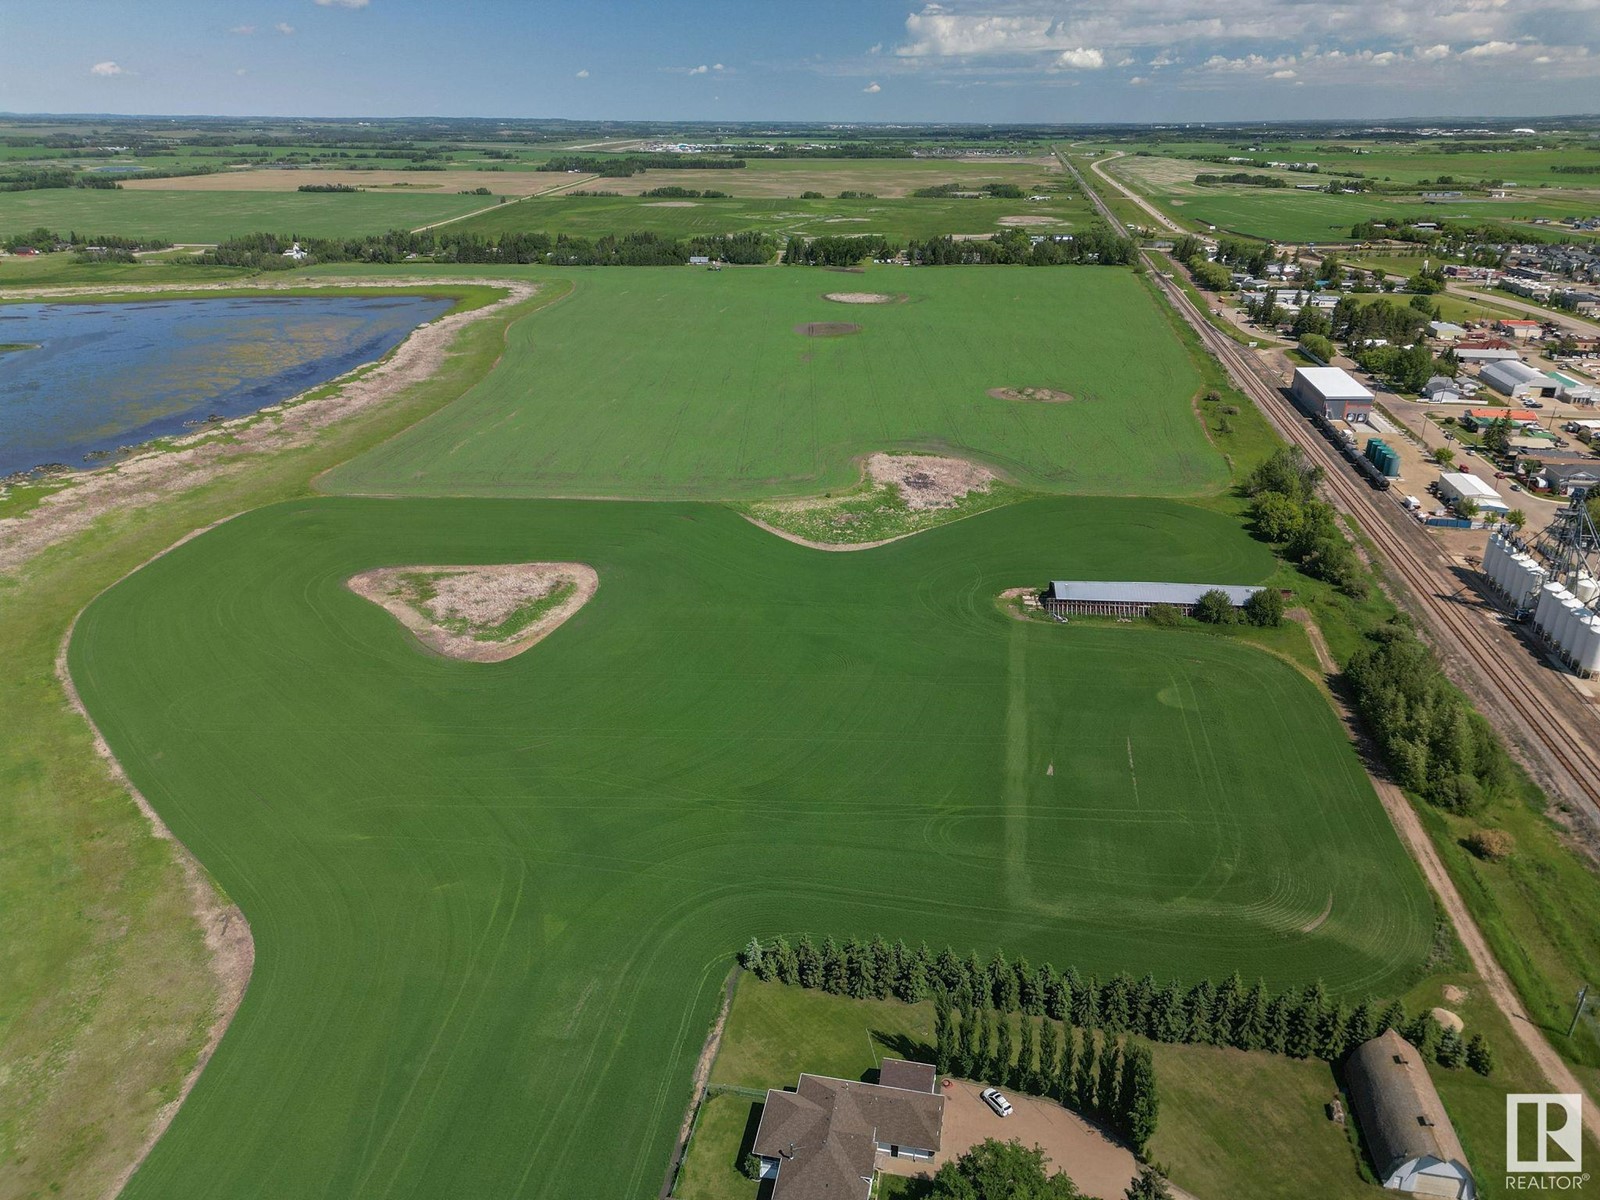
31 179
673 191
1299 1022
1244 177
47 239
622 166
996 191
265 252
326 187
1093 244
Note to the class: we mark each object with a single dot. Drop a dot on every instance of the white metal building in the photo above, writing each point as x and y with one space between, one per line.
1095 598
1519 381
1455 487
1330 392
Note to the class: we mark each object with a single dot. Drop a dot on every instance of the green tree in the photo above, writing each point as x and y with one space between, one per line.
787 969
1250 1020
1444 456
1003 983
1516 518
967 1041
751 959
833 975
1114 1004
994 1170
1083 1082
1451 1052
1049 1070
944 1035
808 963
1150 1184
1277 518
1067 1072
1026 1077
1004 1070
1479 1057
1107 1079
983 1055
1137 1103
1265 608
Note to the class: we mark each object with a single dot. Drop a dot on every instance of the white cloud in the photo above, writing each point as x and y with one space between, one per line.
284 28
700 70
243 30
1432 53
241 71
1489 50
718 67
1138 81
583 74
343 3
1165 59
1286 73
875 49
106 70
872 89
1081 59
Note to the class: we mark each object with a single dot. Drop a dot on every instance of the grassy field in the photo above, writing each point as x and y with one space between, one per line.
1291 215
479 893
896 218
695 384
194 216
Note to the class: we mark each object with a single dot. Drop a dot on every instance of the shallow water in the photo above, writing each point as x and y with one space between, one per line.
96 377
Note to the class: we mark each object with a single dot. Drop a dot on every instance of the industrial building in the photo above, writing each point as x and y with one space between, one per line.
1520 381
1455 487
1331 393
1090 598
1403 1121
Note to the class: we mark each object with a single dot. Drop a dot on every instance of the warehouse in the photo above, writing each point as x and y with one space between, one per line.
1080 598
1519 381
1403 1121
1455 487
1331 393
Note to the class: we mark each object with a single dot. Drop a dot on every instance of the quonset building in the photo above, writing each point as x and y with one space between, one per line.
1330 393
1403 1121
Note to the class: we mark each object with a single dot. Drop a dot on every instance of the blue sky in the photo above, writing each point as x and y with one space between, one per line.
835 60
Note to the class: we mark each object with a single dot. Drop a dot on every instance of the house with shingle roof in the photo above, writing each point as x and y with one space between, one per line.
822 1140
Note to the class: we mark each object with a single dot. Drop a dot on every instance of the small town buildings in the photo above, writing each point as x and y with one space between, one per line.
822 1140
1455 487
1520 330
1478 418
1519 381
1441 389
1330 392
1108 599
1563 478
1485 350
1403 1121
1446 331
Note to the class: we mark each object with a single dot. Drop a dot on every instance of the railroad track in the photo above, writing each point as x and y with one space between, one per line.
1541 713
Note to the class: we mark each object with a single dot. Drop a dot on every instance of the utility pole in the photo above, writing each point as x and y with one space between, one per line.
1583 996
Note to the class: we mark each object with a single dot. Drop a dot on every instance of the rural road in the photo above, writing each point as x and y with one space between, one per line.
1156 214
549 191
1405 820
1409 826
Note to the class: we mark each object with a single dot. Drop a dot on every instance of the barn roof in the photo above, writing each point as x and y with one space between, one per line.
1096 592
1401 1115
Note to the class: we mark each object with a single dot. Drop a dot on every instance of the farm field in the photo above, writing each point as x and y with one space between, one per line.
683 383
493 904
897 219
1290 215
195 216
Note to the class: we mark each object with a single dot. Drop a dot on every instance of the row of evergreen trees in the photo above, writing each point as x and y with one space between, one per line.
1302 1023
1106 1076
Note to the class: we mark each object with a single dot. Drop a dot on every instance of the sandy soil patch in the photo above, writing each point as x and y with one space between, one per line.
454 610
1454 994
670 204
200 458
1031 395
1447 1019
863 297
928 481
1027 220
824 329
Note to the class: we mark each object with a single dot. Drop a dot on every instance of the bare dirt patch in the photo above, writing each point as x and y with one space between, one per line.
1454 994
825 329
206 455
482 613
863 297
1447 1019
1027 220
928 481
1031 395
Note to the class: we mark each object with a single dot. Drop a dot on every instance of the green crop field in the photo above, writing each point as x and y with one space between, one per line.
898 219
685 383
214 216
493 904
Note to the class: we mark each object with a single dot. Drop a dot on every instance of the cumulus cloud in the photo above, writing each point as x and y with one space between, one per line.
700 70
1286 73
872 89
243 30
284 28
343 3
583 74
106 70
1080 58
1138 81
1343 41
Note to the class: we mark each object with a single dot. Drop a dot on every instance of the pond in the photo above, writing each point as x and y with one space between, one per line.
80 381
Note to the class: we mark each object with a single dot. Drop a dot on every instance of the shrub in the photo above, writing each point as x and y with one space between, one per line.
1214 608
1491 845
1265 608
1165 615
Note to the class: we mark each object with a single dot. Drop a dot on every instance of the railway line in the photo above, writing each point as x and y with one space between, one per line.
1537 713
